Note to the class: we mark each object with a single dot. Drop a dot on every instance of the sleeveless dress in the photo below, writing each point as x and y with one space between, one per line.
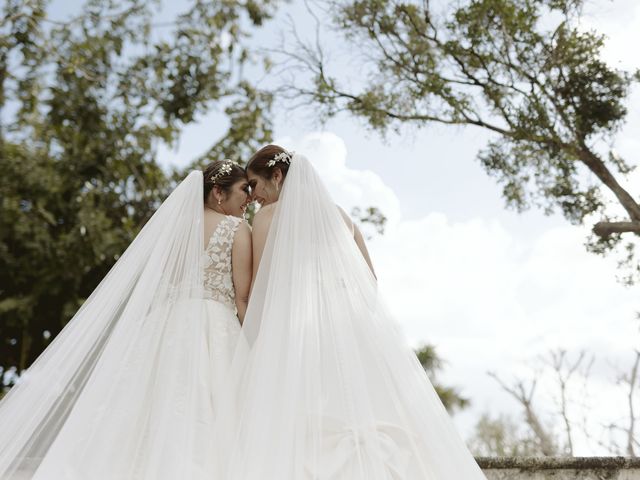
222 326
157 422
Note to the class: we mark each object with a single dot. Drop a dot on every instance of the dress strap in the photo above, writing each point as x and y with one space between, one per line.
224 231
233 224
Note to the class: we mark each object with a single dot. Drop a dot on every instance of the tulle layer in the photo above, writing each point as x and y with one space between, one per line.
158 423
325 385
127 390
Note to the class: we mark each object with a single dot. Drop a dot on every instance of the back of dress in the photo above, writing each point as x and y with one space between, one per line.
149 409
221 327
218 280
129 388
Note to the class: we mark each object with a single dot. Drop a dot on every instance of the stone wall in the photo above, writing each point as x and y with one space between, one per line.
560 468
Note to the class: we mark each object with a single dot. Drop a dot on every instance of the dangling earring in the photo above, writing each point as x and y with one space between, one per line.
218 201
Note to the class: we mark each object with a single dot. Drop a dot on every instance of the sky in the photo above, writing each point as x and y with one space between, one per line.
492 289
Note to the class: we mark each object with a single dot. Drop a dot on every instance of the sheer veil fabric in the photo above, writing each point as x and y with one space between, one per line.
123 391
323 385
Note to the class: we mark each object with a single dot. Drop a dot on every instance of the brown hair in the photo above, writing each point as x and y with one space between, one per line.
258 162
225 181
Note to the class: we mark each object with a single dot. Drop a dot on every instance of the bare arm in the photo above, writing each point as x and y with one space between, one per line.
357 235
261 224
359 239
241 267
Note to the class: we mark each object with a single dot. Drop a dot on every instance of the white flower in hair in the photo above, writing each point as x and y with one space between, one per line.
225 169
284 157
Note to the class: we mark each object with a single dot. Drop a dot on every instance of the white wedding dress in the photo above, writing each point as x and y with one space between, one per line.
323 384
129 389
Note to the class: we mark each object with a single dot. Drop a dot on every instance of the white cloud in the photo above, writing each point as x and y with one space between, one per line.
619 20
488 301
349 187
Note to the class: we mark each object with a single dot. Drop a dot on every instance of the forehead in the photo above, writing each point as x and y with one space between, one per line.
252 176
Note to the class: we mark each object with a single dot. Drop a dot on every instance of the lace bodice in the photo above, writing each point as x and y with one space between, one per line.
218 282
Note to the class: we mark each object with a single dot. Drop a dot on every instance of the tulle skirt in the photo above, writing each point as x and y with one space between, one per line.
148 411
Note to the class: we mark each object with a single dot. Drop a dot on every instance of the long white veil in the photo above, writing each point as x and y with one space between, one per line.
324 386
118 392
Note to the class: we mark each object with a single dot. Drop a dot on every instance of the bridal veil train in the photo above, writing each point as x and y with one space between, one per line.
124 391
324 385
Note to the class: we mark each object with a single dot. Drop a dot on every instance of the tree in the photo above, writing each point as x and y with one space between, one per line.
502 436
84 104
567 413
519 69
433 364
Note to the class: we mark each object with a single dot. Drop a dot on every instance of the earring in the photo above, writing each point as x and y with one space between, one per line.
218 201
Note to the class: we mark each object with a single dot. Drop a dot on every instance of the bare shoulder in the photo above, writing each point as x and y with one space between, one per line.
267 210
346 218
344 214
243 230
262 219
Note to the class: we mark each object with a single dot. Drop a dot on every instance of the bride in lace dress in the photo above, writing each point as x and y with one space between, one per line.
227 263
129 388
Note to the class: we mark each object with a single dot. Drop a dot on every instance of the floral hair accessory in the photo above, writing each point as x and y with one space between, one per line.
225 169
284 157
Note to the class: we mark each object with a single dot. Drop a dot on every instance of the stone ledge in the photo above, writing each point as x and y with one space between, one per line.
560 468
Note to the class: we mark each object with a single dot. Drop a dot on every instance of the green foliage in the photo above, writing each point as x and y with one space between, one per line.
370 216
85 104
248 115
433 364
521 69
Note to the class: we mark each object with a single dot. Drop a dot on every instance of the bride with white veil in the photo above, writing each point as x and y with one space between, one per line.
323 384
129 388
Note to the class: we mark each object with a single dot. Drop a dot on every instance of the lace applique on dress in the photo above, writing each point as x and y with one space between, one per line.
218 282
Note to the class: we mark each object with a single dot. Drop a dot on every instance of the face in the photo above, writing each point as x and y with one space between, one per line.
265 191
235 201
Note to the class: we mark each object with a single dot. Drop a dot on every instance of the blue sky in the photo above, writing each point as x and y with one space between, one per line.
491 288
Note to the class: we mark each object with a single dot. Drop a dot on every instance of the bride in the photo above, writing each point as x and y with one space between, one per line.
322 385
129 388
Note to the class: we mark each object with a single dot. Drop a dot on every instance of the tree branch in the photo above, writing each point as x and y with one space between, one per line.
604 229
632 381
597 166
526 399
